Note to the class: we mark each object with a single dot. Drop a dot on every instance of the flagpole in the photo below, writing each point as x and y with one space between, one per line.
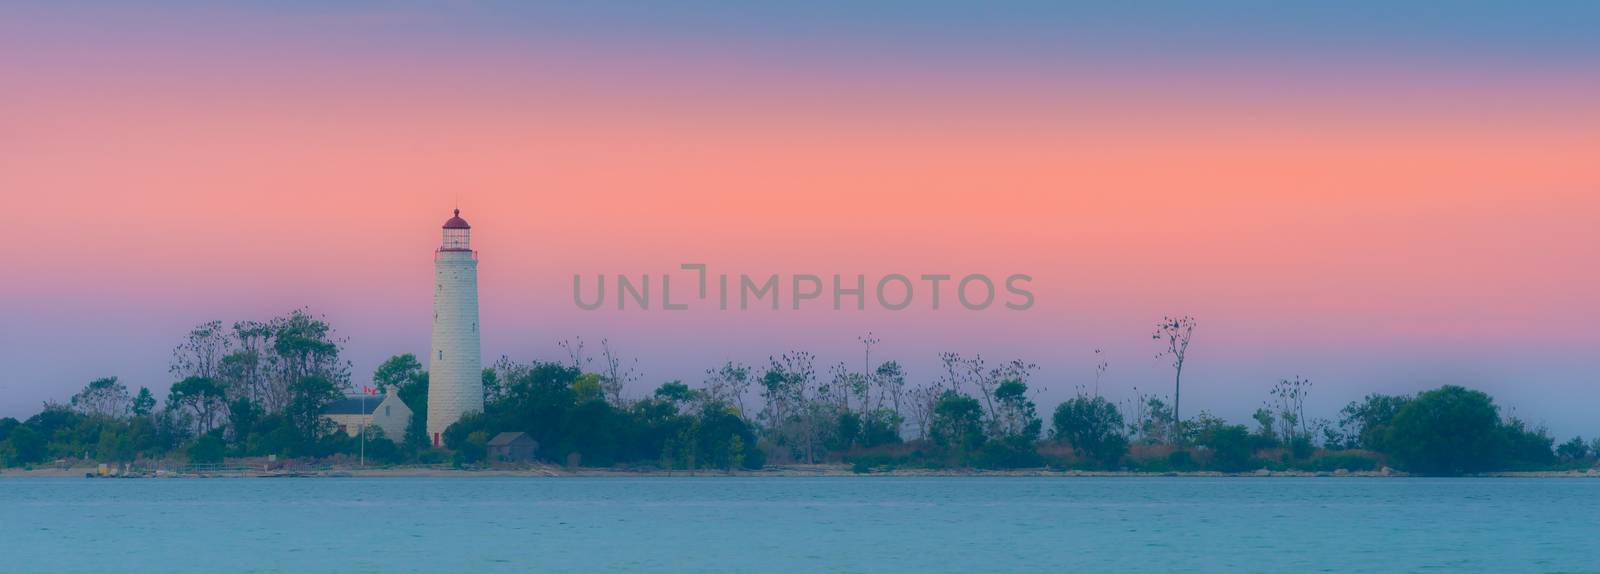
364 427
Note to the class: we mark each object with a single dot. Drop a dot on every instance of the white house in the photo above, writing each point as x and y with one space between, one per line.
387 412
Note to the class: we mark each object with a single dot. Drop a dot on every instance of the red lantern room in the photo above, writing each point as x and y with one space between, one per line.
457 234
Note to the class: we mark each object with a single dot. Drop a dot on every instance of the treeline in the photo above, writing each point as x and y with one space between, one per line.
260 388
256 388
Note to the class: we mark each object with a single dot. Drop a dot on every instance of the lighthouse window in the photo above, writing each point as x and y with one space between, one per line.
441 354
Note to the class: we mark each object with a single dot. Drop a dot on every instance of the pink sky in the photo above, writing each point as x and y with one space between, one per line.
1374 224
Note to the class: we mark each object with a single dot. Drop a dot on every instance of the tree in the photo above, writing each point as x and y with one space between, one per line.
1231 447
308 398
1527 448
879 427
104 397
1289 398
414 393
957 423
726 440
735 453
1017 428
795 414
727 385
396 371
201 352
1101 365
669 455
200 398
243 415
962 372
848 432
1152 421
1448 431
24 445
1092 426
1266 434
890 380
689 446
923 401
207 450
474 449
1174 334
677 393
1573 450
460 432
1016 415
864 383
845 384
144 403
492 389
1367 422
616 377
305 348
114 445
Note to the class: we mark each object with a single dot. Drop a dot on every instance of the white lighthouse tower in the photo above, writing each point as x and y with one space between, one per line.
455 370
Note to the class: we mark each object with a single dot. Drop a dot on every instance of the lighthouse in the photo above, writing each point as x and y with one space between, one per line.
455 370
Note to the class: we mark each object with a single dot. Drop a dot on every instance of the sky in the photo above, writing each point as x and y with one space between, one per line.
1377 196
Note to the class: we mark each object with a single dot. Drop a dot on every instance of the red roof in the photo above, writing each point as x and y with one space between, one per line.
457 222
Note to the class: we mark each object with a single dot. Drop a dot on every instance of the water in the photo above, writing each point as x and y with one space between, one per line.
868 524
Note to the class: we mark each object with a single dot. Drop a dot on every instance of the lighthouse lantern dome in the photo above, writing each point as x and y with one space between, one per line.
457 234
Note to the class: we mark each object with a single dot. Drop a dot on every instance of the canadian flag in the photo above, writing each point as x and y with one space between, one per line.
369 390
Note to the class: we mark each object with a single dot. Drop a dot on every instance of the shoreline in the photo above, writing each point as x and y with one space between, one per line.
797 471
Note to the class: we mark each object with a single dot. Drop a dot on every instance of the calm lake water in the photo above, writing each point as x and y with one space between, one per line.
799 525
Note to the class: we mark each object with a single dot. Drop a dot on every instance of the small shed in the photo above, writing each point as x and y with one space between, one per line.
512 447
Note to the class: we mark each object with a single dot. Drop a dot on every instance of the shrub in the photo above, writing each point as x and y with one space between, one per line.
957 424
1573 450
1093 427
1010 452
1447 431
1301 447
1343 461
207 449
1527 448
1231 448
1180 460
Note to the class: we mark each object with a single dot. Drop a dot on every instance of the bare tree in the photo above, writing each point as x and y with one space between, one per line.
796 406
985 384
843 384
1100 366
103 397
248 371
201 351
728 384
865 384
890 381
924 400
956 373
1289 397
961 372
574 349
1174 334
305 346
616 377
1150 419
